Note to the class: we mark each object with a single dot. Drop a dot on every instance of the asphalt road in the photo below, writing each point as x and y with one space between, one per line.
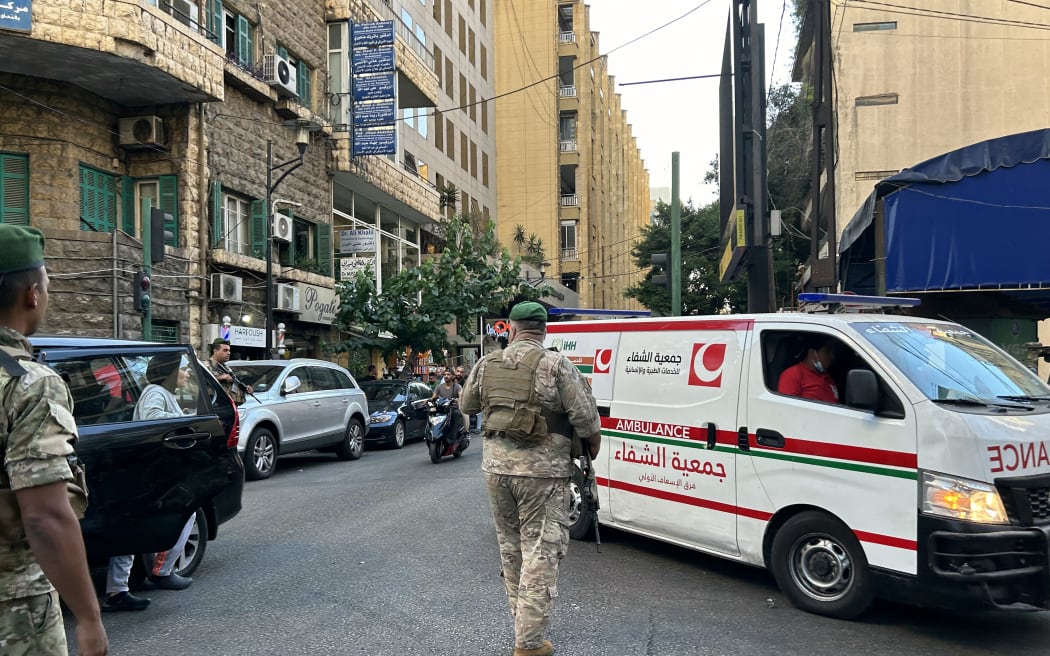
392 555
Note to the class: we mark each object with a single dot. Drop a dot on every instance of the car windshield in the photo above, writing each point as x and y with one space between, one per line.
950 362
384 392
260 376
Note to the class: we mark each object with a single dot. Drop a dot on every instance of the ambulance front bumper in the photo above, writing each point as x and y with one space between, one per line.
979 566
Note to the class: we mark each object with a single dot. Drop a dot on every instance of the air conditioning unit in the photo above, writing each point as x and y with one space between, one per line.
141 132
282 227
225 287
279 73
288 298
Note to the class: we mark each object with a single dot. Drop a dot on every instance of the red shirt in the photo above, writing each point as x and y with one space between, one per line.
802 381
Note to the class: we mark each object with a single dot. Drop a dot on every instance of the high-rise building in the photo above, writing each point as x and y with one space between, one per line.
570 177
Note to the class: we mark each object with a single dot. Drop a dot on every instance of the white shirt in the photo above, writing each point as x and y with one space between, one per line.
156 402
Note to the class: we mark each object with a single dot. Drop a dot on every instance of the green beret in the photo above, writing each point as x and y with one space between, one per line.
23 248
529 311
219 341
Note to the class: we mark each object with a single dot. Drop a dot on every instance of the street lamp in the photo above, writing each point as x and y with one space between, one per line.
302 141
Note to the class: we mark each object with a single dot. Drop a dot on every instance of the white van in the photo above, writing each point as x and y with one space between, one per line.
928 482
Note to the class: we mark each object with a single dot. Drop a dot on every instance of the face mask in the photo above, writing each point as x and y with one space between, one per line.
818 366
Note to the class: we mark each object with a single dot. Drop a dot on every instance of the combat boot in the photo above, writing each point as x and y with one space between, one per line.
546 649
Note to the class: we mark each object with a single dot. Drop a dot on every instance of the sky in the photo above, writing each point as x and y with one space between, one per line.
679 116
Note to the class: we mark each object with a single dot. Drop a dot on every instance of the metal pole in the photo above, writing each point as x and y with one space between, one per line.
676 241
268 250
147 265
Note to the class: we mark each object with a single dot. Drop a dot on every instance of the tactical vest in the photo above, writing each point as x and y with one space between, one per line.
509 398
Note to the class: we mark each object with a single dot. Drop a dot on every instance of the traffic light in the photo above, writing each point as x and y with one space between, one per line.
140 291
659 260
158 235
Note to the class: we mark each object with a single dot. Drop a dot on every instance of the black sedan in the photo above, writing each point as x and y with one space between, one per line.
397 411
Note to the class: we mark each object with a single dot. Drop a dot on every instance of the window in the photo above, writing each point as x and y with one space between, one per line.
571 281
437 66
485 116
406 18
450 139
568 237
567 126
237 224
239 39
448 17
462 92
160 192
186 12
14 189
474 159
322 379
439 132
484 62
311 246
421 35
422 123
304 84
482 12
98 200
485 168
464 153
449 79
470 45
873 27
437 11
408 115
464 202
462 35
880 99
343 380
473 104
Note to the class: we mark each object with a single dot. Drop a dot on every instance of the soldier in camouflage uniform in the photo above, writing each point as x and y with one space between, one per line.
527 465
41 483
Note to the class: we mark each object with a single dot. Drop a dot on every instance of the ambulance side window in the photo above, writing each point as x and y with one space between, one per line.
784 349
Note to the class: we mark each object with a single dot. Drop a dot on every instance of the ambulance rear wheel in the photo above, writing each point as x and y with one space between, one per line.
819 564
581 520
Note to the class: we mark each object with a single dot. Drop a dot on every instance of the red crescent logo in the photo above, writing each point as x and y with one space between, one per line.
602 361
706 365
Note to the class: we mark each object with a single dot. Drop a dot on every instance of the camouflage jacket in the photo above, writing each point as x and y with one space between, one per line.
36 447
560 389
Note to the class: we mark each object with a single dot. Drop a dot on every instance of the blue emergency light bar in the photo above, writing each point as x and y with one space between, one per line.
598 313
854 299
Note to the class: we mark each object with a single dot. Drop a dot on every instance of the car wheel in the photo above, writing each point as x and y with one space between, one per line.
581 519
353 444
435 452
260 455
819 564
397 440
193 553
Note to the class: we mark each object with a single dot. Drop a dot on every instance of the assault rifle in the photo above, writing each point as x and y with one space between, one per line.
590 499
236 380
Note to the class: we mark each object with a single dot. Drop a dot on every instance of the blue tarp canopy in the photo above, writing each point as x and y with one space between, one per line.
977 218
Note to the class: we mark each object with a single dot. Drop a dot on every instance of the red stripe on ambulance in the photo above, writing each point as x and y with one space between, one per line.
649 326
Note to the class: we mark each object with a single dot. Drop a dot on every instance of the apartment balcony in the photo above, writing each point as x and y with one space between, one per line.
132 54
567 37
397 188
568 145
570 254
567 43
570 200
569 152
567 99
567 91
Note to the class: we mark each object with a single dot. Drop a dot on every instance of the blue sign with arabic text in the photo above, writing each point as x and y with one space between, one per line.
373 60
16 15
369 35
381 141
373 114
373 87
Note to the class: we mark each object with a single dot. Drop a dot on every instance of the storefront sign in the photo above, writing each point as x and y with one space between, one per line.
373 60
357 241
373 87
375 142
349 266
247 336
368 35
319 304
373 114
16 15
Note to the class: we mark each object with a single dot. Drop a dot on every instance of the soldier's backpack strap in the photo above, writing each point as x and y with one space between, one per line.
9 358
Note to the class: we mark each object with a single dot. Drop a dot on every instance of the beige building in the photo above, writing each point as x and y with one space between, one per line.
913 83
569 170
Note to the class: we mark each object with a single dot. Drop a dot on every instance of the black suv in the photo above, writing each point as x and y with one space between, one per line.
147 476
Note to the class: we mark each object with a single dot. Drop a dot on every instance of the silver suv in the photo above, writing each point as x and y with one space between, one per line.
298 405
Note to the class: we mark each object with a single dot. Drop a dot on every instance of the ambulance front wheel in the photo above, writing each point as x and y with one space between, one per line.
581 519
819 564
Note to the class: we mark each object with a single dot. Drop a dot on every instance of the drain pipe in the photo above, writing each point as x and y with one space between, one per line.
202 225
116 288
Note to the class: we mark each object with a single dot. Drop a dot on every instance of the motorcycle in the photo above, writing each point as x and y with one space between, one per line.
441 416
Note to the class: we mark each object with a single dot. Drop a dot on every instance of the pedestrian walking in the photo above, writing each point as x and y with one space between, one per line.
533 400
42 489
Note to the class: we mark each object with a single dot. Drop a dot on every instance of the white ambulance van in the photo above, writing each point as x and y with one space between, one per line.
927 482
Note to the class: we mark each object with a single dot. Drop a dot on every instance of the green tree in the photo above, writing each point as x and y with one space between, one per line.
472 277
703 292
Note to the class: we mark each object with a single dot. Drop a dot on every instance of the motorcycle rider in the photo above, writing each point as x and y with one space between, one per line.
450 389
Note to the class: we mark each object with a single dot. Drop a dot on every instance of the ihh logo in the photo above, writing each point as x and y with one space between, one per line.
706 365
603 361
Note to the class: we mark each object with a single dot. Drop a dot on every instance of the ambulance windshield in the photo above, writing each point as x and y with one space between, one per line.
951 363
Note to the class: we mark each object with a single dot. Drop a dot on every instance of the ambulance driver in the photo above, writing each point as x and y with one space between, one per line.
809 379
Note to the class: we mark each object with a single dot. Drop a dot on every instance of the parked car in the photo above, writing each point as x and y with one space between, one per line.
398 411
146 477
298 405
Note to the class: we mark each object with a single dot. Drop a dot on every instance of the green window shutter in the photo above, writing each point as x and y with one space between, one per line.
324 248
215 22
127 197
258 229
98 199
281 51
244 41
218 218
14 189
304 85
169 202
286 252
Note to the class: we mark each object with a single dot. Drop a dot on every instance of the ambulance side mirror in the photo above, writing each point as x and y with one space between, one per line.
862 389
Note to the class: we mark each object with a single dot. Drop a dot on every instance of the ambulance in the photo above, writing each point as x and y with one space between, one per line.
928 481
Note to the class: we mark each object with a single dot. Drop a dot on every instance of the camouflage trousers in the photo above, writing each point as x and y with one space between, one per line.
532 527
32 626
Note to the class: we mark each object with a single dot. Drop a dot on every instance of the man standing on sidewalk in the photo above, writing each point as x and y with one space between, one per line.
42 490
532 401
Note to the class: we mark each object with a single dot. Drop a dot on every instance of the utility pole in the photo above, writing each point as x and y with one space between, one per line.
144 281
676 241
823 271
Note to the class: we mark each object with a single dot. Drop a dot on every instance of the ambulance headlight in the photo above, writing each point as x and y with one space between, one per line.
959 498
